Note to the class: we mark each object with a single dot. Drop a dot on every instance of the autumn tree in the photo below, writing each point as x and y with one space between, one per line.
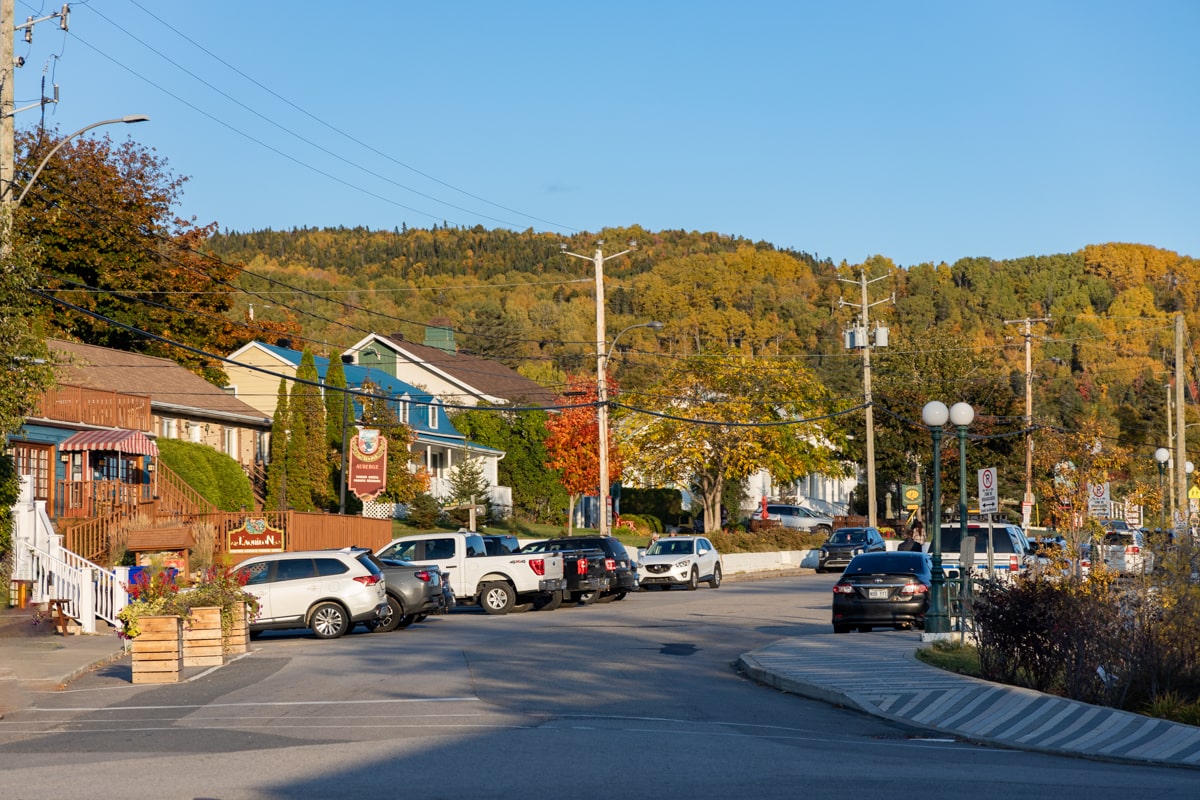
573 444
107 241
537 495
722 418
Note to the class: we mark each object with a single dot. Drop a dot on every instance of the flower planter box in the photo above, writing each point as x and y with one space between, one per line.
237 641
158 650
202 640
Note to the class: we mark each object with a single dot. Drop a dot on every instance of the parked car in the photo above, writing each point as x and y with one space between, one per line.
620 568
799 517
883 589
680 561
414 591
1126 552
585 571
845 543
328 591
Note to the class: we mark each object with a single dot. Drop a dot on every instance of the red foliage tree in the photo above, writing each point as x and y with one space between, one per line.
573 442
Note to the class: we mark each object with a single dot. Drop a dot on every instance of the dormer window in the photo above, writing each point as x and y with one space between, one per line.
433 415
402 411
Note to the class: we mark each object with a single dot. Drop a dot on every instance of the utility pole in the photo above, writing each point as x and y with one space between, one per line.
601 374
1180 475
1027 502
860 337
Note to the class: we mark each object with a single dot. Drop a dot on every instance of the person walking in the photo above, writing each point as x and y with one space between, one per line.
910 542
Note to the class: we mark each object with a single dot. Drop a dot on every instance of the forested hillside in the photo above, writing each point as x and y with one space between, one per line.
1105 356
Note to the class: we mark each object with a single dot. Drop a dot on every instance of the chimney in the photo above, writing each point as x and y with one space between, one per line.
439 334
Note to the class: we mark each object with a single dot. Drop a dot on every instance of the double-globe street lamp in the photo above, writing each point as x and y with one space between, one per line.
935 415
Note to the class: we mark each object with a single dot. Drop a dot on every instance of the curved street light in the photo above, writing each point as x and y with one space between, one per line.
128 118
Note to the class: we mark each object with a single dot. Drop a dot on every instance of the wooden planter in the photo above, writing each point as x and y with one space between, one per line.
202 640
237 641
158 650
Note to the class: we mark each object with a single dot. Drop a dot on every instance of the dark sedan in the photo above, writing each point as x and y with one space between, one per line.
846 543
889 589
413 593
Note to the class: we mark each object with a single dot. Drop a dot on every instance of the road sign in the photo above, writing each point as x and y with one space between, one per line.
1098 499
989 502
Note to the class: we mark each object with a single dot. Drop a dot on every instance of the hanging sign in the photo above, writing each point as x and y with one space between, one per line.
368 464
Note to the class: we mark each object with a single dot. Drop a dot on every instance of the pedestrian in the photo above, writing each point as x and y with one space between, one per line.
909 542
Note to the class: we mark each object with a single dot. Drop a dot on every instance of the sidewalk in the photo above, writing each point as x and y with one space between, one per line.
879 674
34 658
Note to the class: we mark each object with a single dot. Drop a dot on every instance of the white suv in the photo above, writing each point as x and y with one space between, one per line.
328 591
800 517
680 561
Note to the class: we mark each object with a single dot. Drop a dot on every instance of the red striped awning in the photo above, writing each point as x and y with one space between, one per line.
132 442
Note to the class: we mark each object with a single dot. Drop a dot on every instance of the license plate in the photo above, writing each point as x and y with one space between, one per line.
877 594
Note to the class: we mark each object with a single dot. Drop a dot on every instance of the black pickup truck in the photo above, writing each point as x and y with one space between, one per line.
584 569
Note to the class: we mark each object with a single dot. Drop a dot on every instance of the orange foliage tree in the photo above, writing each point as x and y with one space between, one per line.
573 442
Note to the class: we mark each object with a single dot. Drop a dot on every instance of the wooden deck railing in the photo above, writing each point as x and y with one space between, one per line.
88 499
96 407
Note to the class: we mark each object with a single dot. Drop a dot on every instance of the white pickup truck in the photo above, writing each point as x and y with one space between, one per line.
497 583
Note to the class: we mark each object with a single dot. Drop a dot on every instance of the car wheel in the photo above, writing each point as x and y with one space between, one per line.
390 620
548 601
497 598
420 617
715 581
405 621
841 628
606 597
824 530
521 608
820 570
328 621
619 595
693 580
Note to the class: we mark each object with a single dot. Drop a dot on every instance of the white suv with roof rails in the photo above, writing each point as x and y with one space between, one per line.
328 591
1011 551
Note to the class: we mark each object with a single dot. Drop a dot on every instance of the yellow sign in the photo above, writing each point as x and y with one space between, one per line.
1194 493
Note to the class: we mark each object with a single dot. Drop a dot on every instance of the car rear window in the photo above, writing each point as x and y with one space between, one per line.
366 559
888 563
1123 539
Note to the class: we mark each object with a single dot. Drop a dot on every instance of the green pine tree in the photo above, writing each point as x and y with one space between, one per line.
299 478
277 457
307 403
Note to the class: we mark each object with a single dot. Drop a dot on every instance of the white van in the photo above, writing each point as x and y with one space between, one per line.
1011 551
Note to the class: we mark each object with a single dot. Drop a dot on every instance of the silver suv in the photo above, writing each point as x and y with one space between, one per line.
800 517
1011 551
328 591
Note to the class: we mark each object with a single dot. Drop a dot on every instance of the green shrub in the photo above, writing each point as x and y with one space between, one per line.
217 477
424 511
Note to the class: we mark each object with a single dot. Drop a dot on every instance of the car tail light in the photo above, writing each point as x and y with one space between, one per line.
1132 550
581 566
914 588
843 588
425 575
1012 563
368 580
538 565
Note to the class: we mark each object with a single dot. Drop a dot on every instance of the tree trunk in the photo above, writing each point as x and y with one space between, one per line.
571 513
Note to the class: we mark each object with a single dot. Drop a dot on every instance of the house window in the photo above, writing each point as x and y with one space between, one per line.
231 443
433 415
194 431
34 460
168 427
402 411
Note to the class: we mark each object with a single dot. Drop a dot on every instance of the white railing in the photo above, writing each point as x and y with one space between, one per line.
87 590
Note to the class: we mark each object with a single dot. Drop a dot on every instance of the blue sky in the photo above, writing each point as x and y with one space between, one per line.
924 131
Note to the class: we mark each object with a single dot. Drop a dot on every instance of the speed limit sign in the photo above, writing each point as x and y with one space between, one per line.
988 500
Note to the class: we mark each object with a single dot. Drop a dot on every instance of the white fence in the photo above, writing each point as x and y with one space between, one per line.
87 590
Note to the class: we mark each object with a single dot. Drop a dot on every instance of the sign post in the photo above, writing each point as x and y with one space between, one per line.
368 464
989 502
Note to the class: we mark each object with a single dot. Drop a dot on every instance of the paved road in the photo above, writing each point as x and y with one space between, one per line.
625 699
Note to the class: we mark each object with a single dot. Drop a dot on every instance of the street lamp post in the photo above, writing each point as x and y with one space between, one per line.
128 118
934 415
347 359
961 414
601 372
1162 455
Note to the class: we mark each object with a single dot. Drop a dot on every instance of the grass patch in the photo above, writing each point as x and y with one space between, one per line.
952 657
